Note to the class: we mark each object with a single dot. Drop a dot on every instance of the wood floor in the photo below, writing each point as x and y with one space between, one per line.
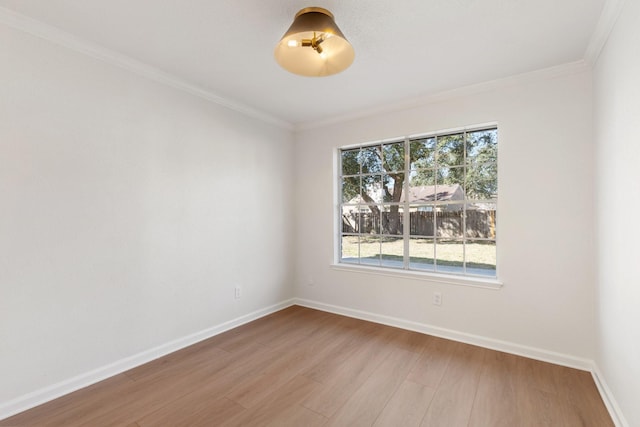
302 367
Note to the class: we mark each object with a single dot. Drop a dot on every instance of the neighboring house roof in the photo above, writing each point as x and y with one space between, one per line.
430 193
426 193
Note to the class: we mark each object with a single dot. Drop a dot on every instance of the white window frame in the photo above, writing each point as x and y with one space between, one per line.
459 279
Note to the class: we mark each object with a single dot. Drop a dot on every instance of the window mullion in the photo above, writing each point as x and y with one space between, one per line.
406 215
464 205
435 204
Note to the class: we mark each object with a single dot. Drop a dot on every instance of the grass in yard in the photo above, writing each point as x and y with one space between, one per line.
479 254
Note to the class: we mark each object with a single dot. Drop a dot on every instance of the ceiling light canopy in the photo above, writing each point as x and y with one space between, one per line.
314 46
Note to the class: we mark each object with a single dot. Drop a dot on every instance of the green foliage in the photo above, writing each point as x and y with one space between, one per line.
350 166
482 169
450 161
380 169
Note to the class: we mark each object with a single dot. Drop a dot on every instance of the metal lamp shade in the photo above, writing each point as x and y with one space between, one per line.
314 46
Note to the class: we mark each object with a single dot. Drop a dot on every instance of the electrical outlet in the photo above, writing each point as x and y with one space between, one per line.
437 298
238 292
310 281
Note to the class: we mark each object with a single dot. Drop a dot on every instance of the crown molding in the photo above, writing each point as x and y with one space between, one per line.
54 35
532 76
607 20
610 13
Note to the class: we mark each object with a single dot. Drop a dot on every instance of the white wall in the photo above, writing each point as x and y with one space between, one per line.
617 109
128 213
545 219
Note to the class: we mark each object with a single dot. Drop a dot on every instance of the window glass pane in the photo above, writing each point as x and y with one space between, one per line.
349 249
392 252
450 184
421 253
372 188
351 189
393 156
449 220
481 257
451 150
482 146
449 256
480 221
422 153
392 187
370 250
392 217
422 186
482 181
369 220
370 159
422 177
350 165
350 219
421 219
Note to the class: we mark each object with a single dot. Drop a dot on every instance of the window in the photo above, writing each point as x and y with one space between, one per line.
423 203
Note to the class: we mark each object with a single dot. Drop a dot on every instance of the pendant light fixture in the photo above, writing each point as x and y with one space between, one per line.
314 46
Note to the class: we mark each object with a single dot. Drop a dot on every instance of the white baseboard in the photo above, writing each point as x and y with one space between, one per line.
54 391
609 401
493 344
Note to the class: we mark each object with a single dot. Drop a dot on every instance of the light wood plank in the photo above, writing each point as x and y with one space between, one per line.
357 335
433 362
367 402
407 406
540 375
281 405
341 383
537 408
408 340
452 403
292 362
495 403
252 332
189 412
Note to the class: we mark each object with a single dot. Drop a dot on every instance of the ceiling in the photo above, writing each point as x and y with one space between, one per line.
405 49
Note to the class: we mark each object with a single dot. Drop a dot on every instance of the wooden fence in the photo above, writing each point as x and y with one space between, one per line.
478 223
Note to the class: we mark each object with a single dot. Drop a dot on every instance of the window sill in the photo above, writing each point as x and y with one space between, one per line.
476 282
